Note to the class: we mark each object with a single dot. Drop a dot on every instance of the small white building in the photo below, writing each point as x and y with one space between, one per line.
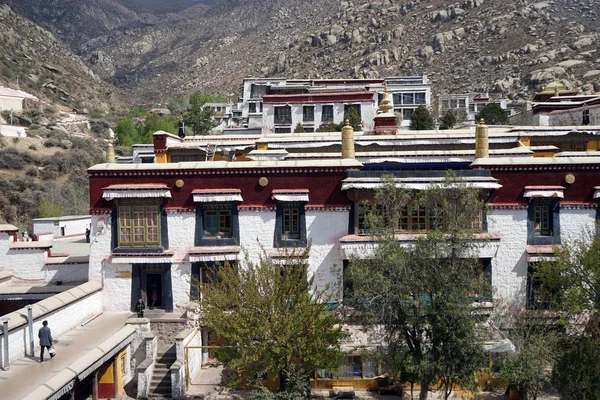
62 226
11 99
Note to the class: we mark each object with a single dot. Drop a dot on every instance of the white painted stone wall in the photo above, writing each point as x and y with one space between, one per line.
574 117
5 241
66 273
116 295
509 267
574 222
100 245
324 228
27 264
367 110
257 229
71 226
181 277
60 322
182 228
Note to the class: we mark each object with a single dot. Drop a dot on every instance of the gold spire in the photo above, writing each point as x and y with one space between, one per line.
110 152
385 105
482 146
347 141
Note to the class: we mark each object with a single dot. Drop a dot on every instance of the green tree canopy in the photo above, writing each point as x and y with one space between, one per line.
493 114
421 119
575 374
199 117
267 320
448 120
421 294
573 277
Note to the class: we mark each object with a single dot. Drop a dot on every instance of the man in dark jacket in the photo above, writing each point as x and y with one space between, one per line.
45 337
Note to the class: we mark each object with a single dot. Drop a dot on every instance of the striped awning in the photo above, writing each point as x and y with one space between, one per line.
214 253
544 191
290 195
217 195
136 191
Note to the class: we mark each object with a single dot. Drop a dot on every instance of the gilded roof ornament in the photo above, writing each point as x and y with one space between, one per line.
385 105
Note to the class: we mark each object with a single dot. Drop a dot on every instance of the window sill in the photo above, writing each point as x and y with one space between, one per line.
138 250
217 242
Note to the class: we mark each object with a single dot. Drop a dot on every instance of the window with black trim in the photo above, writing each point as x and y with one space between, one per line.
482 280
352 108
308 113
543 221
538 296
586 117
251 108
327 113
283 115
412 218
217 224
138 225
290 224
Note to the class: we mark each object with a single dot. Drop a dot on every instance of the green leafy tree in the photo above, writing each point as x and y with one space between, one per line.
421 295
527 371
199 117
493 114
127 133
351 115
421 119
267 320
573 277
576 374
448 120
47 210
299 128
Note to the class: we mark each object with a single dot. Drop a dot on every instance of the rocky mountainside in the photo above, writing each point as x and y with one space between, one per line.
505 48
35 61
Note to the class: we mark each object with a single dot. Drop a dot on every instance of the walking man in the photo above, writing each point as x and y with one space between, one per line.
45 337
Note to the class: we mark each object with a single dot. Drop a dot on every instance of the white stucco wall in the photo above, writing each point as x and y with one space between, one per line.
182 228
100 245
116 295
181 277
367 111
324 229
5 240
509 267
71 226
67 273
574 222
60 322
27 264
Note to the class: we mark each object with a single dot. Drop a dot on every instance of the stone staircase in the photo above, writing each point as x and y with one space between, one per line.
160 385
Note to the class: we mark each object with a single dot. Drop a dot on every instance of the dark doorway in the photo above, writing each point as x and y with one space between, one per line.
154 290
62 231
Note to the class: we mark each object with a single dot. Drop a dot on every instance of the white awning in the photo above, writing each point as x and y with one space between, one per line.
217 195
135 192
214 253
597 192
416 183
544 191
290 195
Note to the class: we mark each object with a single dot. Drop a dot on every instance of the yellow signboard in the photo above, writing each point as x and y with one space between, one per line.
123 274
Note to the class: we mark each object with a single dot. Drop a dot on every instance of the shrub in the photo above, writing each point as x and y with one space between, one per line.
33 147
13 159
34 127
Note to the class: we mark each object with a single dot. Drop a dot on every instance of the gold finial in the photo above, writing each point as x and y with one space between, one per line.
110 152
385 105
481 121
347 122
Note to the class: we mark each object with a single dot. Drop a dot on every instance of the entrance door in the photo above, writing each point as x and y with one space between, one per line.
154 290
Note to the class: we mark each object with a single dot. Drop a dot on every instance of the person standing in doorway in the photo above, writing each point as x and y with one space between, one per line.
139 308
153 297
45 336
